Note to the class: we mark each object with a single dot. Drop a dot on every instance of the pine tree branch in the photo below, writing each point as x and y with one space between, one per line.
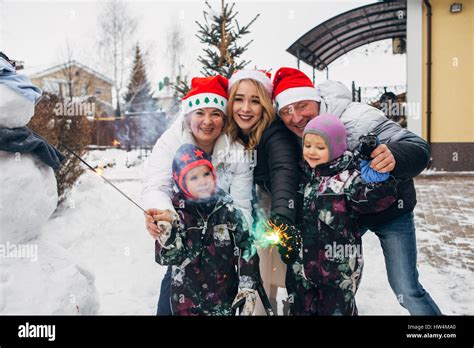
221 33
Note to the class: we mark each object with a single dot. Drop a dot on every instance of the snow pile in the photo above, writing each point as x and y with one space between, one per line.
46 282
105 233
97 161
29 196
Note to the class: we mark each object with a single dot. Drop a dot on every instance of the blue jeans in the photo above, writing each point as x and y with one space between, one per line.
164 304
398 241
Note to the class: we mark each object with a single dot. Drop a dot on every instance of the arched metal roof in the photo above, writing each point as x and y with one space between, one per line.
335 37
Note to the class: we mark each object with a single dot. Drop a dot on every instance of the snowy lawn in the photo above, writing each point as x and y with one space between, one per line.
105 234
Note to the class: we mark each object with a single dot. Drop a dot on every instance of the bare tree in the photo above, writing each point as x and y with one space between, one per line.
62 119
178 78
175 43
117 29
75 80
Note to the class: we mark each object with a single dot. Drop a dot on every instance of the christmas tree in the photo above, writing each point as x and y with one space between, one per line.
140 108
221 33
139 97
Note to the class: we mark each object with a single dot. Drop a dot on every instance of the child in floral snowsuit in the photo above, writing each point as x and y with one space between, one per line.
207 242
325 277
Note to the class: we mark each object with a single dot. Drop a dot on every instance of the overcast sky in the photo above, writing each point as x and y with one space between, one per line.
37 31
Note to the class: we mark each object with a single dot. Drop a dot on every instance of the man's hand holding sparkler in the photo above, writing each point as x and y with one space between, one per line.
290 241
277 232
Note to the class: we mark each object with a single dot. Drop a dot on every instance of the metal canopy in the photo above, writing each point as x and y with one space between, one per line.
337 36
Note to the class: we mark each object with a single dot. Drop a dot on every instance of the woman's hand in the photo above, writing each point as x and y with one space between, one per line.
152 216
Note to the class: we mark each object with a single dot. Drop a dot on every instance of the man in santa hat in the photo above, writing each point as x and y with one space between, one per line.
401 152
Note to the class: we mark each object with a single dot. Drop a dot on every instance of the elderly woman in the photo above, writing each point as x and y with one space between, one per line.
202 122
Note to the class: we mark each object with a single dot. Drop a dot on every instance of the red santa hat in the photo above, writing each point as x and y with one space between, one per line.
206 92
291 86
261 76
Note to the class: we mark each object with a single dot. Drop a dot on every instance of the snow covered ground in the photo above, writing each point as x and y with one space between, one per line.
105 234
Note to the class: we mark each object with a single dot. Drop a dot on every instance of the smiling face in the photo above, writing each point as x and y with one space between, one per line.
199 182
315 150
296 116
206 125
247 109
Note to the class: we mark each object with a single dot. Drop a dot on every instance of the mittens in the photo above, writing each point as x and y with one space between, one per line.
163 237
246 299
370 175
290 240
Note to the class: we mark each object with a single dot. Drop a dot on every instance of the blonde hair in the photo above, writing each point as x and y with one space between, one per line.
268 115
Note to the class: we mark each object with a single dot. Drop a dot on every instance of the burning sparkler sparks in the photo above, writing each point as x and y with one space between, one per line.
268 234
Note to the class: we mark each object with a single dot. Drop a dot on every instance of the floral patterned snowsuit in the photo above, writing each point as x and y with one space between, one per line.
325 277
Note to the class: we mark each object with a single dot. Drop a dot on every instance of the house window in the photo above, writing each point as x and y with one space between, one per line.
64 88
98 91
51 86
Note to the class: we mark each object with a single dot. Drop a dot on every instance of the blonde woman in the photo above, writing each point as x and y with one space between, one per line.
251 121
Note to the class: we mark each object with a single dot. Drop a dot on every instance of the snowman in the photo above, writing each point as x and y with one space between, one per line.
37 276
28 194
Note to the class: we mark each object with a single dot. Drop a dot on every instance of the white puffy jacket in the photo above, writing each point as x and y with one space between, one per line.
234 175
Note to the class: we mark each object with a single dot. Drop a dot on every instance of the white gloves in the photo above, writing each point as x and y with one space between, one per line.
247 298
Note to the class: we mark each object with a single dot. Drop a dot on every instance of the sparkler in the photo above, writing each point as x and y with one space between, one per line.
268 234
99 172
265 300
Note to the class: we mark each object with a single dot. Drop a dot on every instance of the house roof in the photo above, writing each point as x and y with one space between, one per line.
337 36
69 64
